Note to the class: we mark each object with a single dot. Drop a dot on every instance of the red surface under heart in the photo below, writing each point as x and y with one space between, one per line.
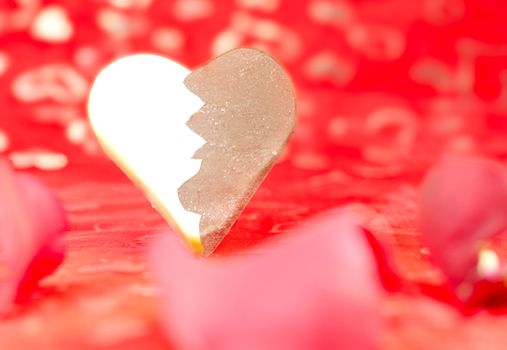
384 89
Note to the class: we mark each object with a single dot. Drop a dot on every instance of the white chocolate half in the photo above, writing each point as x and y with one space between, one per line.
138 108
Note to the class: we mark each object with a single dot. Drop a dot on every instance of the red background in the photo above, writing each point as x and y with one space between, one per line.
384 88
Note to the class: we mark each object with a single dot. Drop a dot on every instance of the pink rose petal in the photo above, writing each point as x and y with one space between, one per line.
32 223
387 271
464 203
317 289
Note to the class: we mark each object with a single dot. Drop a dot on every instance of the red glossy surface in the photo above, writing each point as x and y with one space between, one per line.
384 88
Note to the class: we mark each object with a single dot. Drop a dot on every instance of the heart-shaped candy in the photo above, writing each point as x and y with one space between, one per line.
198 143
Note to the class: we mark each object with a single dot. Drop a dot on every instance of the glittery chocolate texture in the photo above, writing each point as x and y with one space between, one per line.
249 115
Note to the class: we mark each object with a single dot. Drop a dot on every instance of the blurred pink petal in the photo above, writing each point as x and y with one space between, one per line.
463 204
32 223
387 271
317 289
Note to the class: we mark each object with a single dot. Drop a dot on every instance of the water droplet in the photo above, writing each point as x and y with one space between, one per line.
225 41
259 5
434 73
4 141
441 12
192 10
335 13
376 42
58 82
4 63
327 66
168 39
52 25
77 131
310 161
120 26
129 4
338 128
40 159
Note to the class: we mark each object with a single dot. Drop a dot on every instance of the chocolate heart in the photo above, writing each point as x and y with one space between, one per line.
198 143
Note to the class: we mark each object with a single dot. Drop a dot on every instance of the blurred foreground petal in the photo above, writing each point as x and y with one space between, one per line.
32 222
463 205
317 289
